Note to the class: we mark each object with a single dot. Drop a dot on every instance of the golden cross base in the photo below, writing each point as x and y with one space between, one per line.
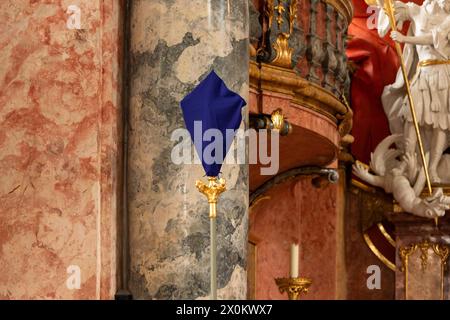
212 191
293 286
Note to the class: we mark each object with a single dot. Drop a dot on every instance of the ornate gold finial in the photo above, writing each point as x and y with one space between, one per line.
424 246
277 119
283 50
280 10
212 191
293 286
443 252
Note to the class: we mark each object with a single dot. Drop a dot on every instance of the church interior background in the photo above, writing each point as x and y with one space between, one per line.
90 98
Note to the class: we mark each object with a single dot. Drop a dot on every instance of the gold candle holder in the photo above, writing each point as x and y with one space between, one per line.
293 286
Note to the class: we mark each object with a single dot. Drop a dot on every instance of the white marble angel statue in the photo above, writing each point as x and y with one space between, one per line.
427 59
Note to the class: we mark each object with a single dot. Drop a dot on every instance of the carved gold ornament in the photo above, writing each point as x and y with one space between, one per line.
377 252
280 10
284 52
293 286
277 119
212 191
441 250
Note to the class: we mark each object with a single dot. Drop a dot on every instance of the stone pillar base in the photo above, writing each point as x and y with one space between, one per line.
422 251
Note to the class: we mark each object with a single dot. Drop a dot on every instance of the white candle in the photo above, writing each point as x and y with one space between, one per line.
294 260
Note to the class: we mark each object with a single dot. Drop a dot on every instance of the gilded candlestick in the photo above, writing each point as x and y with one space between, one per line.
293 286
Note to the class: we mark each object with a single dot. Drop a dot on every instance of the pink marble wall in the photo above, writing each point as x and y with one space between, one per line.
296 114
59 115
295 211
274 222
318 238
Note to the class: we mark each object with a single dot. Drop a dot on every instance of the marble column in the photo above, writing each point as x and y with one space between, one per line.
59 148
174 44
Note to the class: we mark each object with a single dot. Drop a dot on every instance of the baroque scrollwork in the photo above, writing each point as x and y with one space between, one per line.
292 43
405 252
286 16
439 249
293 286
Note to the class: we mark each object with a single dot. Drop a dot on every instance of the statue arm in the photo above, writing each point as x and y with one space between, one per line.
438 37
403 12
417 40
376 181
363 173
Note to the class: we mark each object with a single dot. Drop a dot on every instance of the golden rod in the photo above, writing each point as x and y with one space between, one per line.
390 11
416 126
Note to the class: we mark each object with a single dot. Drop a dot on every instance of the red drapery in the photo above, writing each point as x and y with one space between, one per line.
377 66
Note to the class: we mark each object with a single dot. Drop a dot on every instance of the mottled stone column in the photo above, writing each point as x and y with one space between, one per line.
174 44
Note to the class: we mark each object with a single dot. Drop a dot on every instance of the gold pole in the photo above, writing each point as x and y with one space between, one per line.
390 11
212 191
